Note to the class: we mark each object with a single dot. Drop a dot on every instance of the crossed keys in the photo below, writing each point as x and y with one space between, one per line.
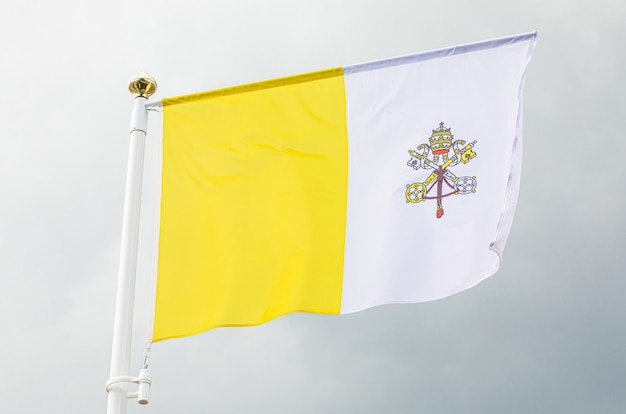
440 163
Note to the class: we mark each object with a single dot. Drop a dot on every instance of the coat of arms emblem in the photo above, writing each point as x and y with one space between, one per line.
436 156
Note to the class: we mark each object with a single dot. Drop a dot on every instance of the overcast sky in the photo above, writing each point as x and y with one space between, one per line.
546 334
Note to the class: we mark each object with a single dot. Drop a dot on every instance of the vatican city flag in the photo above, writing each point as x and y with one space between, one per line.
393 181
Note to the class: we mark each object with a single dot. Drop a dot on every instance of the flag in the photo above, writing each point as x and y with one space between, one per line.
393 181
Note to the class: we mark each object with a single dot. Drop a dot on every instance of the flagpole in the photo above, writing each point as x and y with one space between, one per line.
141 86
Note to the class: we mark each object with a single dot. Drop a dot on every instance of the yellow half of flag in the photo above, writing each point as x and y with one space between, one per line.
254 206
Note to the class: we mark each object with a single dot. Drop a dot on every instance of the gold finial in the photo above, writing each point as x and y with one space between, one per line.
142 84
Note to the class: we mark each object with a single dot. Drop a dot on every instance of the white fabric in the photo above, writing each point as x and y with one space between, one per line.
398 251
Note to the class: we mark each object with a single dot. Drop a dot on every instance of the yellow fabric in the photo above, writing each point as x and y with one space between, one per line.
253 204
255 86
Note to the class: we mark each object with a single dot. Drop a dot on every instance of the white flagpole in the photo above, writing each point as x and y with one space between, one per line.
141 86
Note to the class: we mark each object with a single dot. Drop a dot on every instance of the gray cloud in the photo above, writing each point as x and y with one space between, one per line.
545 334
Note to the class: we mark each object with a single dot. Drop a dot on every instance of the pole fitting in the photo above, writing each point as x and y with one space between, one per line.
143 381
142 85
